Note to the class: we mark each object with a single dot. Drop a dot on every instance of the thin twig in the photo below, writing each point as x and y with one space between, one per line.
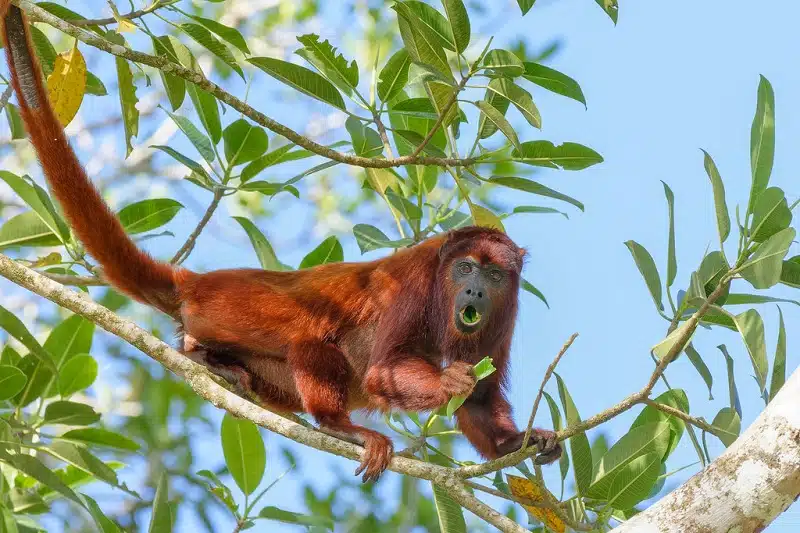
547 375
139 13
6 95
164 64
183 253
677 413
442 115
81 281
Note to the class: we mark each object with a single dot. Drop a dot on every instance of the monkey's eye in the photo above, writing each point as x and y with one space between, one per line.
464 268
496 275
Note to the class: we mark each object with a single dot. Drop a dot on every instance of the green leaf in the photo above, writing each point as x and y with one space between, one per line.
329 251
366 141
728 425
525 5
245 455
264 252
127 94
34 468
634 482
762 141
394 75
187 162
451 516
458 18
14 327
497 118
751 327
371 238
300 78
148 215
555 416
538 209
434 24
161 519
289 517
568 156
763 269
174 86
733 392
720 205
790 272
650 415
648 270
524 184
410 211
69 338
553 81
82 459
749 299
771 214
707 278
423 45
244 142
779 365
663 348
205 39
697 362
15 123
518 96
485 217
70 414
102 521
26 230
641 440
101 437
528 286
611 8
37 199
672 262
484 368
230 35
201 143
77 374
12 381
325 59
414 139
207 109
578 444
503 63
493 98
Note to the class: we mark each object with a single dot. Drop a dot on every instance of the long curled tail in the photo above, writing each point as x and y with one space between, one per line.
125 266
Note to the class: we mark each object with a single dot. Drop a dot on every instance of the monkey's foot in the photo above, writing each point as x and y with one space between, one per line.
545 440
377 454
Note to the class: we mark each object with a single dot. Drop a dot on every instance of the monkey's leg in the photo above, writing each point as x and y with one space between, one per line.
322 375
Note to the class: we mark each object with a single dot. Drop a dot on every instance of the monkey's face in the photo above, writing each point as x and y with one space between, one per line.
476 285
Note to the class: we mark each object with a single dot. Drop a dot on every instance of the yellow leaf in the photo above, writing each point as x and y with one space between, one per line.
483 217
523 488
53 258
125 26
66 85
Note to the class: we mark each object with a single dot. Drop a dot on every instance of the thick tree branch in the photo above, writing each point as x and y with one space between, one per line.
201 381
165 65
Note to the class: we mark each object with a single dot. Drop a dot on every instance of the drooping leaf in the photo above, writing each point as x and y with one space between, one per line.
611 7
697 362
101 437
763 269
12 381
394 75
485 217
524 184
779 363
485 127
228 34
366 141
762 141
371 238
244 142
647 268
672 262
34 468
289 517
733 391
15 328
161 520
300 78
568 156
525 5
205 39
36 198
245 455
528 286
77 374
518 96
174 86
15 123
264 252
503 63
70 414
673 398
634 482
191 164
458 19
329 251
554 81
790 272
83 459
451 516
578 444
66 85
720 204
148 215
497 118
751 327
127 94
197 138
329 62
207 107
728 425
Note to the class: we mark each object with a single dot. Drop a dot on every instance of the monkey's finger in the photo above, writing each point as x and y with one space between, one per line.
549 457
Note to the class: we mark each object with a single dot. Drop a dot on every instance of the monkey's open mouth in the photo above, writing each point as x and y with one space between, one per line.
470 316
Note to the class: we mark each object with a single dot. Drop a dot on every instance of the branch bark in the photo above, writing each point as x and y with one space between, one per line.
745 488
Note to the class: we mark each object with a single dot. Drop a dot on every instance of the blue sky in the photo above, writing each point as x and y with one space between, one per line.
668 80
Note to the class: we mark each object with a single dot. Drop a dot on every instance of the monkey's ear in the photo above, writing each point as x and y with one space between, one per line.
449 239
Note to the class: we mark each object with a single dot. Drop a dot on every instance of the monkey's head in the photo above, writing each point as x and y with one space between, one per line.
481 267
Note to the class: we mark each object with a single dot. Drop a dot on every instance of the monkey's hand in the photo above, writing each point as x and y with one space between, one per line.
545 440
458 379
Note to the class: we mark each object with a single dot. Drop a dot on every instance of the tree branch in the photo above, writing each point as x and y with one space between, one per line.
677 413
139 13
165 65
202 382
183 253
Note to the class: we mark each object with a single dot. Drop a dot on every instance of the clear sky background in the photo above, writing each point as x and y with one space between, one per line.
669 79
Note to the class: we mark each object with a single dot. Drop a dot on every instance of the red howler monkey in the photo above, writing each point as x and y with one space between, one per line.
399 332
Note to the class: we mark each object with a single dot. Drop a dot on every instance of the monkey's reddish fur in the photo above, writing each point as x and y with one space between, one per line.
326 340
